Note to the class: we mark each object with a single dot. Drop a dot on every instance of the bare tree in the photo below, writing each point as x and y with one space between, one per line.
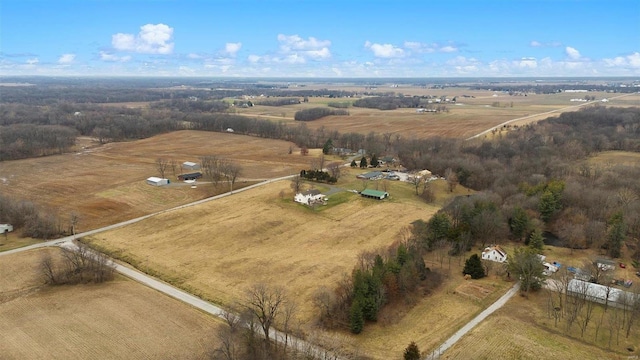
416 181
74 218
264 303
162 165
296 183
231 172
174 167
452 179
48 270
334 169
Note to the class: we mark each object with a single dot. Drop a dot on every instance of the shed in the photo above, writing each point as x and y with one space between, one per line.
374 194
188 165
6 228
190 176
156 181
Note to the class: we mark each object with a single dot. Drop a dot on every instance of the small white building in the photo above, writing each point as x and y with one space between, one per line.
549 268
156 181
309 197
188 165
6 228
494 253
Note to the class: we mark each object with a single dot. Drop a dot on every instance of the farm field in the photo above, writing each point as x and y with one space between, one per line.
219 249
115 320
106 184
468 117
530 333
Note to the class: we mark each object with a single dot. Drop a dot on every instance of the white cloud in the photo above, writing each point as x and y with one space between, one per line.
152 39
529 63
194 56
105 56
385 50
33 61
253 58
535 43
572 53
66 59
630 61
429 48
232 48
290 43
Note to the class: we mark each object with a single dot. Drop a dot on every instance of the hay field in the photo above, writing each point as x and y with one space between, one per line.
218 249
521 330
116 320
106 184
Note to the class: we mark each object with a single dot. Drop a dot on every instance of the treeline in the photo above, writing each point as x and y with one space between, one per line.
380 278
191 105
339 105
34 222
388 102
318 175
21 141
317 113
554 88
276 101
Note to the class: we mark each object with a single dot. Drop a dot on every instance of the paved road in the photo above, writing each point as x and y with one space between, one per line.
475 321
540 114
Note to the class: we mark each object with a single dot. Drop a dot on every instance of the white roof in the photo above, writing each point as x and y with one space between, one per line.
189 163
154 179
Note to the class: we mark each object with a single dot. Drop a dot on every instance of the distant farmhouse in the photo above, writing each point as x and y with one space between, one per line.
310 197
494 253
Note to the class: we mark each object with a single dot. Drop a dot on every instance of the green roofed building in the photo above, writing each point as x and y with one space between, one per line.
374 194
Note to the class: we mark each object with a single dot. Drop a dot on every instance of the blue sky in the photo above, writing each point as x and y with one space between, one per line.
309 38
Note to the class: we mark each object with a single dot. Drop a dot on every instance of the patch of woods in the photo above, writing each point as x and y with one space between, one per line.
317 113
278 101
395 277
32 220
76 265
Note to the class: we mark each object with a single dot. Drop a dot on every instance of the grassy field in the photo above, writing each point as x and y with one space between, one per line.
611 158
106 184
116 320
220 248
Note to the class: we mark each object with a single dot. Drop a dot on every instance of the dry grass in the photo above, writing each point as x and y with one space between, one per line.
105 184
610 158
521 330
115 320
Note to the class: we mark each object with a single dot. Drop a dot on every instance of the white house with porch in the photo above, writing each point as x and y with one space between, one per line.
494 253
309 197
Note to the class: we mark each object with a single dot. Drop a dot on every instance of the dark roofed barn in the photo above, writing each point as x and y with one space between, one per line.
190 176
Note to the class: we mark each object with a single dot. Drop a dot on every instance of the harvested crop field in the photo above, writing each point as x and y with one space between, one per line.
106 184
116 320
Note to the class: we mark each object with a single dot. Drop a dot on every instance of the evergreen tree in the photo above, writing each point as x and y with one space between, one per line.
356 318
328 146
473 267
374 161
536 241
525 264
353 163
412 352
615 234
363 162
519 223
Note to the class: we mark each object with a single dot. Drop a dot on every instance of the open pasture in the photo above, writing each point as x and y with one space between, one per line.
115 320
522 330
106 184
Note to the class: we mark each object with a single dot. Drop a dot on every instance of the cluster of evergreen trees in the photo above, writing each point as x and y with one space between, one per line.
382 281
318 175
317 113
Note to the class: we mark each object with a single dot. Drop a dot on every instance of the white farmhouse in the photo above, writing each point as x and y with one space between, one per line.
309 197
494 253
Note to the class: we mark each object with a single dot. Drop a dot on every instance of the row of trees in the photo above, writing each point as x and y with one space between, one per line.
217 169
21 141
317 113
389 102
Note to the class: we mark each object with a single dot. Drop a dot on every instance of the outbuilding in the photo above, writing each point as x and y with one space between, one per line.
188 165
156 181
374 194
190 176
6 228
